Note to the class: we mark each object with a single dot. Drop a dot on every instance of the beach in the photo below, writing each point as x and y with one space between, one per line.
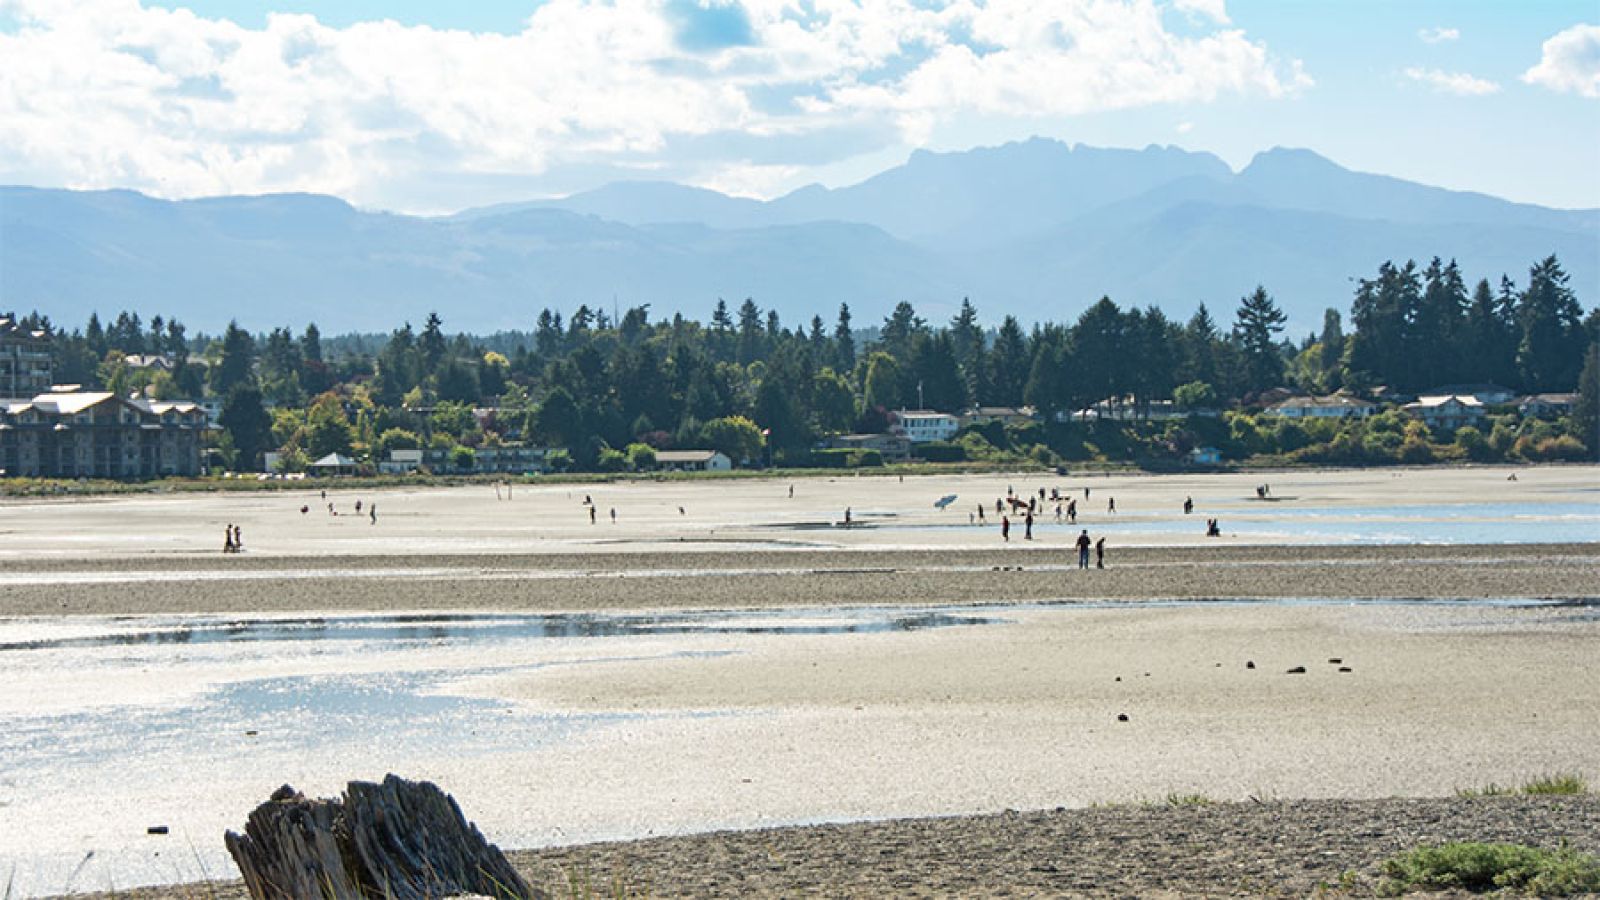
752 663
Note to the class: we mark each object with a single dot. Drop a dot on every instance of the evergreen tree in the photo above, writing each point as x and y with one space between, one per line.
1009 365
934 369
1586 412
311 344
432 343
752 343
244 417
1488 345
1439 325
1258 320
1550 351
237 364
844 341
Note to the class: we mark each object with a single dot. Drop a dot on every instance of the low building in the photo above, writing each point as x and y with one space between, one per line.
1447 413
1005 415
891 446
1546 406
333 465
1205 456
503 459
154 361
693 461
1334 406
400 462
96 434
923 425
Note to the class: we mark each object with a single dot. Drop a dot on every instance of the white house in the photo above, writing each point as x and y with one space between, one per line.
923 425
1487 394
1447 412
1335 406
693 461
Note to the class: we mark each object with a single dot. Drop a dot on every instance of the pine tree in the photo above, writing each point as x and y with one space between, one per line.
844 342
1550 352
1258 320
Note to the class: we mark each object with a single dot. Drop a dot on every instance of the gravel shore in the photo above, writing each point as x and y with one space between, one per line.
1257 849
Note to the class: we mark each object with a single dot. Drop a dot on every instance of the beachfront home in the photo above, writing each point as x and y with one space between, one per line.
1546 406
1334 406
1448 413
923 425
693 461
1005 415
400 462
891 446
96 434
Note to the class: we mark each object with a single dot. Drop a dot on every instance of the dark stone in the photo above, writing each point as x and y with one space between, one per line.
1122 717
1250 664
1297 670
1346 669
156 829
1335 661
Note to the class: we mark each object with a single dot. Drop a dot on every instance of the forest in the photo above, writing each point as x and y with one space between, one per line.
610 390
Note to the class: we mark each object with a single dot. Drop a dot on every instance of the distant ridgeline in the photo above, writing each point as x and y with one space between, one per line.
1432 368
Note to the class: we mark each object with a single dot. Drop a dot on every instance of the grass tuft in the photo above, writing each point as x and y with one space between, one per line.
1489 867
1177 799
1560 783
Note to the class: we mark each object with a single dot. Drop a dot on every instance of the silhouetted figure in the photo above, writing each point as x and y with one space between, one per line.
1027 527
1083 549
1100 553
1188 505
1005 528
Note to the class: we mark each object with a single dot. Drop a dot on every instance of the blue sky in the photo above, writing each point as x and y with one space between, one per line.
431 107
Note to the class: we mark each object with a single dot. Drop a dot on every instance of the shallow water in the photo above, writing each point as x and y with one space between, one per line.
114 724
1308 522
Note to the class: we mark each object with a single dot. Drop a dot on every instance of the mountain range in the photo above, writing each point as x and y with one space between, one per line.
1038 229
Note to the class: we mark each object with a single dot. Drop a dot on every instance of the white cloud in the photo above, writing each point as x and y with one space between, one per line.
1570 63
1185 127
1438 35
1215 10
1459 83
103 93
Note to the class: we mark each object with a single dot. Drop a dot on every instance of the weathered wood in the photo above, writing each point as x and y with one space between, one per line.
405 840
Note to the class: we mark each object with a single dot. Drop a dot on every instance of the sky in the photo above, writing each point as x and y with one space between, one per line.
432 107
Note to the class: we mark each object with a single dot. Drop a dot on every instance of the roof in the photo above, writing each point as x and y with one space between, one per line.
1431 402
922 413
1446 390
1340 401
685 455
69 403
334 460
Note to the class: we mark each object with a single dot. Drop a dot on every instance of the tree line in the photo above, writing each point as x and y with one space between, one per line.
598 385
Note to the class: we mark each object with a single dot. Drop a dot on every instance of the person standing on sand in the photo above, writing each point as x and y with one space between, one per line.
1083 549
591 515
1005 528
1027 527
847 515
1100 553
613 515
238 539
1111 505
372 511
227 538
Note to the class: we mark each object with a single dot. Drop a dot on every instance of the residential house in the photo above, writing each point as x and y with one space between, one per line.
693 461
400 462
923 425
1448 413
1005 415
1335 406
332 465
891 446
1546 406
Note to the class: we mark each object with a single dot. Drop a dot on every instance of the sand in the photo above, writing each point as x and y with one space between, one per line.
752 731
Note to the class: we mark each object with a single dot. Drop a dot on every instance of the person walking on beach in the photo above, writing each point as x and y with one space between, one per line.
981 520
238 539
847 515
591 515
1083 549
372 512
1005 528
1111 505
1100 553
1072 511
227 538
613 515
1188 505
1027 527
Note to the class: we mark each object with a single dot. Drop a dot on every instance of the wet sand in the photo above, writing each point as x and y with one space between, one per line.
757 731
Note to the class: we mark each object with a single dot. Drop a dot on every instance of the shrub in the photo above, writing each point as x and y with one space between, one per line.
611 461
1485 867
944 451
865 459
1415 451
830 459
463 459
641 457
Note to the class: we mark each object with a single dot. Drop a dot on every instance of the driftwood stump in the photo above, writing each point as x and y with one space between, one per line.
404 840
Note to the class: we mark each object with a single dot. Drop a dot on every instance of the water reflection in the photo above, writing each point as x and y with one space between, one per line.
447 628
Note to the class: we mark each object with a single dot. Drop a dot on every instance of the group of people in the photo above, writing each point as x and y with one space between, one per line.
232 539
